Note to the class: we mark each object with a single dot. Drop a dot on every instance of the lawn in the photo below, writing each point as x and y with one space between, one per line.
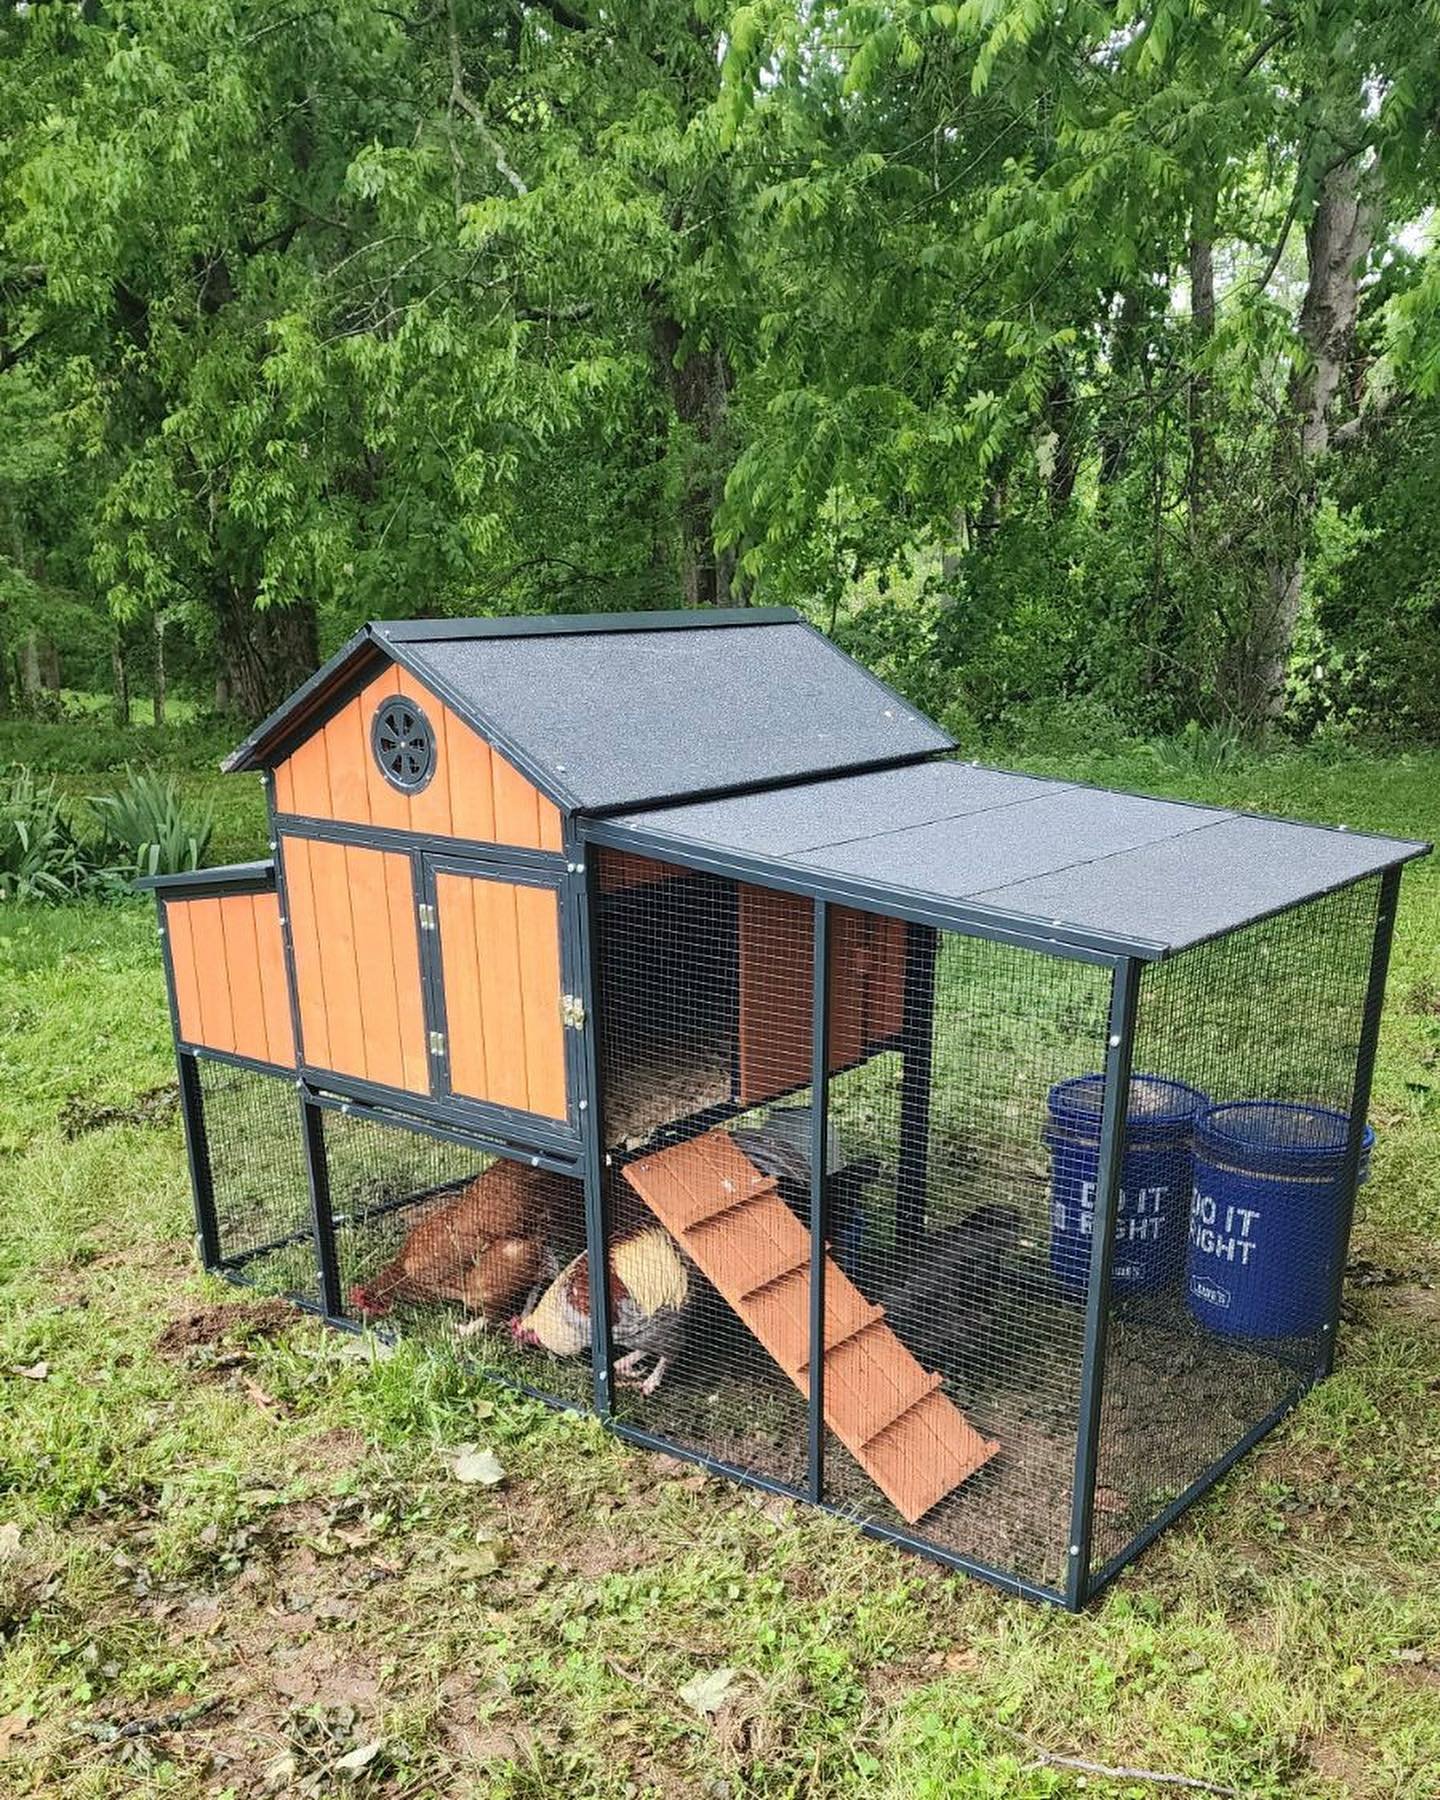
235 1556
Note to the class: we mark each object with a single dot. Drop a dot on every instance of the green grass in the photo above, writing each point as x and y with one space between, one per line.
264 1526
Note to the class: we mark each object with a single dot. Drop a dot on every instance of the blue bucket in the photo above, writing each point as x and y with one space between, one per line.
1155 1180
1266 1216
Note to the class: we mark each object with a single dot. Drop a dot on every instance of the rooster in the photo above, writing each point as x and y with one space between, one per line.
652 1288
487 1249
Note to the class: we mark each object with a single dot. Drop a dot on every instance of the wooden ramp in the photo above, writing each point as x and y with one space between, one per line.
890 1415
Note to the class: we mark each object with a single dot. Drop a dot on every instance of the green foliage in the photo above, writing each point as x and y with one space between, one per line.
148 827
41 858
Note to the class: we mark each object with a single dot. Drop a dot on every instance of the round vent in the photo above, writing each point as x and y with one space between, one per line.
404 744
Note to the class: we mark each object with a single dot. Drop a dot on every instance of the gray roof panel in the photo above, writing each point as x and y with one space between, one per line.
1082 864
618 718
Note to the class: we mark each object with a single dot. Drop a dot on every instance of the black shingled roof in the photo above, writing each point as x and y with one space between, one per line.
605 712
1053 859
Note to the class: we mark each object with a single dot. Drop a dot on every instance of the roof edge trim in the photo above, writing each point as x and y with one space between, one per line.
694 618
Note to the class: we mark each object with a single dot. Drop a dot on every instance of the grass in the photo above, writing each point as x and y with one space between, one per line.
248 1528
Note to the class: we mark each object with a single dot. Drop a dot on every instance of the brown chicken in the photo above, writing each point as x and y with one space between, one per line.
488 1250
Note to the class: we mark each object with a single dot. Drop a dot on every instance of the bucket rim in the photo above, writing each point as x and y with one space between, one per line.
1076 1104
1221 1128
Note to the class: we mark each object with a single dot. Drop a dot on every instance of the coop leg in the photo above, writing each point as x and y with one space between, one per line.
917 1048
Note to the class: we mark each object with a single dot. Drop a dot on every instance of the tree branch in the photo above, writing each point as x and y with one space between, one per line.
461 98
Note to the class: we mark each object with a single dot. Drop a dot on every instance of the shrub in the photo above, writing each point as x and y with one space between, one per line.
148 829
41 858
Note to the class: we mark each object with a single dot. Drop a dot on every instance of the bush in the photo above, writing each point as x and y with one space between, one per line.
41 857
148 829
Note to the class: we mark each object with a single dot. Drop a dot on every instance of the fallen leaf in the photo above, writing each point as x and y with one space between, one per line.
280 1773
956 1660
39 1371
356 1760
14 1725
708 1693
9 1540
475 1466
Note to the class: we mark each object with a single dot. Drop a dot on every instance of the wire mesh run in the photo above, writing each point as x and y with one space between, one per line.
439 1241
1234 1199
259 1196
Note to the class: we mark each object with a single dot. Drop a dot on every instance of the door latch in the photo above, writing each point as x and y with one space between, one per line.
572 1011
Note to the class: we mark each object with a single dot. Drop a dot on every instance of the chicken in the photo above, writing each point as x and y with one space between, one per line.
488 1249
944 1305
652 1288
780 1146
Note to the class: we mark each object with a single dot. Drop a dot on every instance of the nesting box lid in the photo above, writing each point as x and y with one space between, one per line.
604 711
1116 872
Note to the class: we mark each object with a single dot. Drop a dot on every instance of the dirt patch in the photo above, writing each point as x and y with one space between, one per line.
204 1327
156 1106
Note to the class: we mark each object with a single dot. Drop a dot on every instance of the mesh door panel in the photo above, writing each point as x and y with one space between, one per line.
440 1241
257 1172
1231 1325
705 991
946 1225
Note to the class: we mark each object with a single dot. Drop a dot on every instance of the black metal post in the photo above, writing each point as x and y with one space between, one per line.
1360 1100
197 1152
1119 1051
322 1219
592 1121
917 1037
819 1189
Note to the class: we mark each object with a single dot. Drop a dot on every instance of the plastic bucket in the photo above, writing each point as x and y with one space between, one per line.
1155 1180
1266 1216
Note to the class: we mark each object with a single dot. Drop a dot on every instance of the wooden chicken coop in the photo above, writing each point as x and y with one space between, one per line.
970 1154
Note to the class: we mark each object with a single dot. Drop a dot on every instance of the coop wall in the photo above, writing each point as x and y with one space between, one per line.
1204 1358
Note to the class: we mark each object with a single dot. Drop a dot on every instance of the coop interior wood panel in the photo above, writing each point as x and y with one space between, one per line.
228 963
357 962
500 957
868 972
474 792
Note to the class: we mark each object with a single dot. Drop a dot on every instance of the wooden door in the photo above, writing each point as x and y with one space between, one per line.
355 939
499 983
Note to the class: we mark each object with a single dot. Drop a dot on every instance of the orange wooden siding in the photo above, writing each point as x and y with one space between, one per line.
474 793
228 962
355 938
888 1412
867 984
500 954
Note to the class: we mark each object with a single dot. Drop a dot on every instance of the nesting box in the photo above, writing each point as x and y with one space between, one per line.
969 1153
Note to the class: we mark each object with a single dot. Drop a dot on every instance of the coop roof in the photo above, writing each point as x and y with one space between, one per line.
1057 859
613 711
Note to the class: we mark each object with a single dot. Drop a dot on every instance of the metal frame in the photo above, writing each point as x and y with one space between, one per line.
585 887
1119 1053
819 1192
1387 904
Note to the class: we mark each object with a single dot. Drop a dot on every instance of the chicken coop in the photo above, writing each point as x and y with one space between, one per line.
969 1154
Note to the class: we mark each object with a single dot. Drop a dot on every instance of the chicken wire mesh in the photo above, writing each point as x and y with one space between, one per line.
440 1241
953 1240
1231 1226
705 1004
258 1197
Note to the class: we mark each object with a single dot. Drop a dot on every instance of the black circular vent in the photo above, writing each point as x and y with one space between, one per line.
404 744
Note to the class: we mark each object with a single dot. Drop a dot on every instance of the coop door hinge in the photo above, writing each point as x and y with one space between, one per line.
427 916
437 1043
572 1011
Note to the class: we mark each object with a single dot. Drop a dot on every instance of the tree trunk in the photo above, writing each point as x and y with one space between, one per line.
264 654
1202 329
119 681
158 692
1065 463
1336 245
698 387
1115 423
